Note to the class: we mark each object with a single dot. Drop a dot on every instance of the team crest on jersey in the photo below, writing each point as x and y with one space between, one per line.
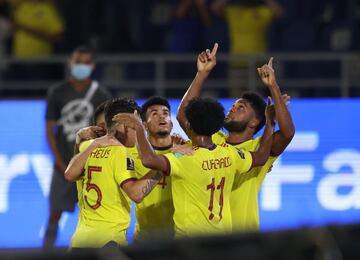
178 155
241 152
130 164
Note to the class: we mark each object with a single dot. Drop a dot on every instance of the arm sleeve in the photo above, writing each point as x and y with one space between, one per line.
123 166
242 160
173 164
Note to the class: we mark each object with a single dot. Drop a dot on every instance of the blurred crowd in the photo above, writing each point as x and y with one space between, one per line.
40 28
30 28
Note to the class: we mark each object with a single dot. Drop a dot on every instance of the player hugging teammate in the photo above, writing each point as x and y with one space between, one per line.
208 186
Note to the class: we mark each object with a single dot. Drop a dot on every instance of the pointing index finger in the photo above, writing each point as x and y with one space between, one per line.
270 63
215 48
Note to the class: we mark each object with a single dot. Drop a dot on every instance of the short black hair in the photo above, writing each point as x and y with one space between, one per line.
119 105
258 104
98 111
205 115
153 101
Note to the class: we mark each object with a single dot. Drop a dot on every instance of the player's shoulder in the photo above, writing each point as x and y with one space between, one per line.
85 145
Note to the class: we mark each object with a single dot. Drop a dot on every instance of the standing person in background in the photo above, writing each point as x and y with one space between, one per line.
37 27
70 106
248 22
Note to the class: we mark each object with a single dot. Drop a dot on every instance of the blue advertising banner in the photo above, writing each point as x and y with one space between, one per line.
315 182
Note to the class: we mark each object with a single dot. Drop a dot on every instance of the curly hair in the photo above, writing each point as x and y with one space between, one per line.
205 115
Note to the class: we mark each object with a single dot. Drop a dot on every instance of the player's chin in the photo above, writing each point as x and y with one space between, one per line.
163 132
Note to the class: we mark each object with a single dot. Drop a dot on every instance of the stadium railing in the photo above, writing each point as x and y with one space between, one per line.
302 73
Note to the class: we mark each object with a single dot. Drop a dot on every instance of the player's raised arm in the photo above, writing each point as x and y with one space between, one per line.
284 136
148 158
206 61
262 154
76 166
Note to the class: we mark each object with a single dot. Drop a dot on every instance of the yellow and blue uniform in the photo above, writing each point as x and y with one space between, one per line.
244 196
105 208
201 186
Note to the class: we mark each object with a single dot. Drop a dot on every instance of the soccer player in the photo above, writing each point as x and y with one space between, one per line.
70 106
243 121
155 213
108 178
201 183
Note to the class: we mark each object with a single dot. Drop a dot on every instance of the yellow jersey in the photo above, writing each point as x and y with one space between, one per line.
105 209
41 16
201 186
155 212
244 196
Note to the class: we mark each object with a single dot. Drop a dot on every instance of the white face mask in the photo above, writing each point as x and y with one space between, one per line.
81 71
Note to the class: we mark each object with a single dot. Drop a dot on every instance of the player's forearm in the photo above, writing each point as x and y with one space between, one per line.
194 90
76 165
140 188
282 114
262 154
147 155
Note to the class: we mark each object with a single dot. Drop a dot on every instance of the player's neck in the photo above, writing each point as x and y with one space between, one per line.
160 142
239 137
202 141
79 85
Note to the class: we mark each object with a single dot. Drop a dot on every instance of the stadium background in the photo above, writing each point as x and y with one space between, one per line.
315 45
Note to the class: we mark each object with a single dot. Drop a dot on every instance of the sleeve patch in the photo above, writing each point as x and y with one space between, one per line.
130 164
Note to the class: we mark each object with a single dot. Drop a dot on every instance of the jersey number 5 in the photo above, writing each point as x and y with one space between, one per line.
220 187
90 186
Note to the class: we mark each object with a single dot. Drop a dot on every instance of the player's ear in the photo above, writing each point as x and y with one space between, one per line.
145 125
253 123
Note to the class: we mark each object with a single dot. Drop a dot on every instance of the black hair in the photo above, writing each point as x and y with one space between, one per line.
118 105
258 104
98 111
205 115
153 101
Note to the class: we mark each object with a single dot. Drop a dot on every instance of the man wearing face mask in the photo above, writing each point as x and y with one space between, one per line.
70 106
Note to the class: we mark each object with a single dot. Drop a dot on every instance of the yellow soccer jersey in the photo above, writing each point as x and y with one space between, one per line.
155 212
201 187
244 198
105 212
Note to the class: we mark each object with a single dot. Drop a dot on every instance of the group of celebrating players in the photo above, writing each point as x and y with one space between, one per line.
207 185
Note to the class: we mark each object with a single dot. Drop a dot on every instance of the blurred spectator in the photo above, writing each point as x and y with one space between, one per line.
37 27
248 22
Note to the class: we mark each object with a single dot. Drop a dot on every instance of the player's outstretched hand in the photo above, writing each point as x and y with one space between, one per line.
90 132
106 140
206 60
267 74
129 120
